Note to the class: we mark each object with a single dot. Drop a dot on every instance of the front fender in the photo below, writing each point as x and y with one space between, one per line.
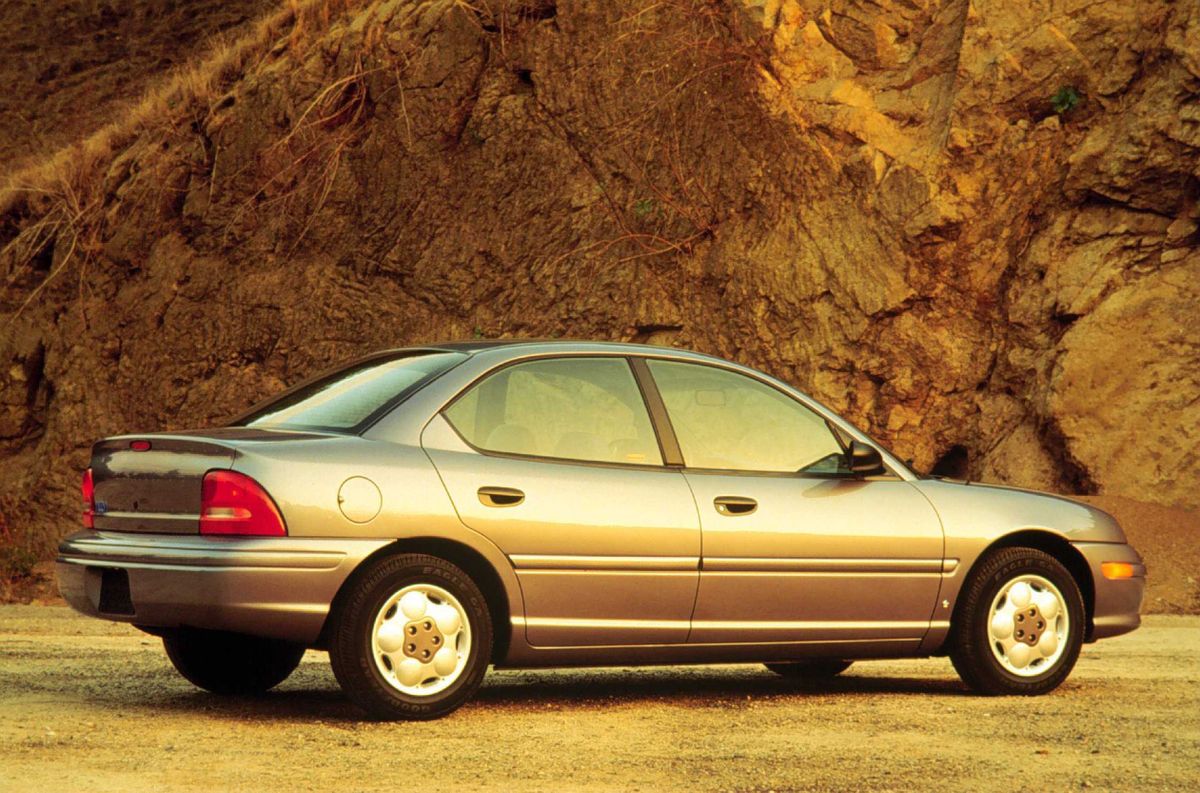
975 517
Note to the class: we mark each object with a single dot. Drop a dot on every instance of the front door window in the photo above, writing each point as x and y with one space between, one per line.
727 421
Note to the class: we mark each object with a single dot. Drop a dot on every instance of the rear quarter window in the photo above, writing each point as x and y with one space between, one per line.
351 399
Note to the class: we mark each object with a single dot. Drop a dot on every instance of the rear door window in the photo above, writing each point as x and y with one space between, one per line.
588 409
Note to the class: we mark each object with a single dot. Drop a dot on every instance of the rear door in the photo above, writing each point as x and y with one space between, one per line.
795 549
556 461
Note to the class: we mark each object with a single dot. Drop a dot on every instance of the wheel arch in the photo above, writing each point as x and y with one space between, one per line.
1055 545
482 572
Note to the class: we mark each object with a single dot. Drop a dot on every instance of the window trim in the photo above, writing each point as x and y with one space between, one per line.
539 458
889 475
660 419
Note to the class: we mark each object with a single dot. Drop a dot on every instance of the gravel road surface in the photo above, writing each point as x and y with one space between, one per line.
93 706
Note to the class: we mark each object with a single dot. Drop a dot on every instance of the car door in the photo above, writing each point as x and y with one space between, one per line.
795 548
556 461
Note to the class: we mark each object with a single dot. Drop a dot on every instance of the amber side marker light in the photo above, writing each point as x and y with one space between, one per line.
1117 569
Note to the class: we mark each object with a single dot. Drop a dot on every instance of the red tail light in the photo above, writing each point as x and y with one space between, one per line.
233 503
88 488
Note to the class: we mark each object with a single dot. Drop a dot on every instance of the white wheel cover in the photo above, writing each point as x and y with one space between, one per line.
1014 599
413 608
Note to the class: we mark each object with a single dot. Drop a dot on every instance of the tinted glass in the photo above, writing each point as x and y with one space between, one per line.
729 421
352 397
572 408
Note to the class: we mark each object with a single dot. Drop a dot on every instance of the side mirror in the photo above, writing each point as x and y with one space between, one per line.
863 459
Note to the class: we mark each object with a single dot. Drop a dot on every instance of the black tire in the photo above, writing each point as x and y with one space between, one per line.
231 663
350 645
811 669
970 643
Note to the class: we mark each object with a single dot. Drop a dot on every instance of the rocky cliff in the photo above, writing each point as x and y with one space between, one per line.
971 226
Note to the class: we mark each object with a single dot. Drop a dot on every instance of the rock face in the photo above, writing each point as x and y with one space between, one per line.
970 226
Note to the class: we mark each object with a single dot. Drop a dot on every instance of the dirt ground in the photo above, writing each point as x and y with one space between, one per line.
90 705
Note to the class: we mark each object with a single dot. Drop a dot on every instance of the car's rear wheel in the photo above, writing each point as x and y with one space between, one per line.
231 663
412 639
1019 625
811 669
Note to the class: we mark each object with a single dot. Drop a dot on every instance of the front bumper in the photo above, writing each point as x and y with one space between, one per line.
279 587
1118 603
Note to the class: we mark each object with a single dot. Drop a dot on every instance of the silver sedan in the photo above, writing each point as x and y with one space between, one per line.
424 513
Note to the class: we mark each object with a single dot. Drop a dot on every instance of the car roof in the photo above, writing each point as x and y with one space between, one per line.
553 345
484 344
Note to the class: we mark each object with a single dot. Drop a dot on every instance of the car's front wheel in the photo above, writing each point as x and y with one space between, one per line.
412 639
1019 625
810 669
231 663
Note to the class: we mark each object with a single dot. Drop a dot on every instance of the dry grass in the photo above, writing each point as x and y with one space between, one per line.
64 194
17 557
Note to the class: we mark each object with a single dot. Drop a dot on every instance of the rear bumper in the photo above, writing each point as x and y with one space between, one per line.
277 587
1118 602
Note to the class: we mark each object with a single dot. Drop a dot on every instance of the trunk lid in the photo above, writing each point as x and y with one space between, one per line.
157 489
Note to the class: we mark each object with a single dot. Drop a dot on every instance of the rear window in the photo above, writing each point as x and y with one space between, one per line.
351 399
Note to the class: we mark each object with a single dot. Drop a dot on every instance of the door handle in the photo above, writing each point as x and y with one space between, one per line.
500 496
734 505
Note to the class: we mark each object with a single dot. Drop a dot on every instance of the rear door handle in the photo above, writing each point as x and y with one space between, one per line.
734 505
500 496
